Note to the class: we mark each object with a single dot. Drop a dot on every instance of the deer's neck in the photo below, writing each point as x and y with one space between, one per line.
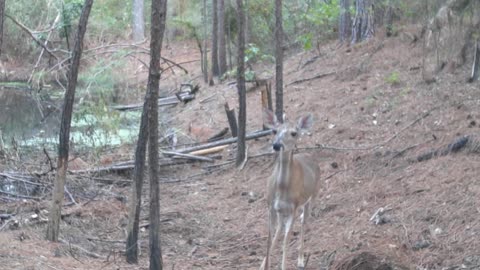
284 165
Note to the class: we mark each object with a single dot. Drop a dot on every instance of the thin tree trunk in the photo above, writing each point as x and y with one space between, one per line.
222 50
2 18
214 38
205 51
138 21
345 21
389 19
136 196
242 114
53 227
278 60
159 13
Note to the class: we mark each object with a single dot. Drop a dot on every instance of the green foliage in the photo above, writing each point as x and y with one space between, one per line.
393 78
318 21
253 54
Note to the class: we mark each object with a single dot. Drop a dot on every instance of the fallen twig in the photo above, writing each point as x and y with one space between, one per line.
313 78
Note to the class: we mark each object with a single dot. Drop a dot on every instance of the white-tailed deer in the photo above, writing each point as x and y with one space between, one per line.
293 184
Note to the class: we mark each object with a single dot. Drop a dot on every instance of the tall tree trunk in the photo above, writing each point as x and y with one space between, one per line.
53 227
157 31
138 21
363 26
242 115
205 50
278 60
159 13
2 18
389 19
345 21
214 38
222 49
136 196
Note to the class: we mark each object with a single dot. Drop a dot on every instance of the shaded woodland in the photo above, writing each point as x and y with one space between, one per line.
143 134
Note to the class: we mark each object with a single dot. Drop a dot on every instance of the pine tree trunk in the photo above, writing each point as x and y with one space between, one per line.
214 38
138 21
2 18
242 115
53 227
363 25
278 60
345 21
222 49
204 50
159 13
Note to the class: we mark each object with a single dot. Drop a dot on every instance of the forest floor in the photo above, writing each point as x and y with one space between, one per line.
373 115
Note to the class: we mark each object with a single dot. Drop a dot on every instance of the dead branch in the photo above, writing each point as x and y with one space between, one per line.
187 156
30 33
219 135
313 78
250 136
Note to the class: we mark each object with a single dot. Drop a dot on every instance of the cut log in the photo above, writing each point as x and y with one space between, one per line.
208 151
232 119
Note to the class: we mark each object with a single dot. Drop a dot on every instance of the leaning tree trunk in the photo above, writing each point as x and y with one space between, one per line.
242 115
363 26
159 13
345 21
138 21
222 49
2 17
278 60
53 227
214 38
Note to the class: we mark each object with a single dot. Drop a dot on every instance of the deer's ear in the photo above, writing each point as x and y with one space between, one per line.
269 119
305 122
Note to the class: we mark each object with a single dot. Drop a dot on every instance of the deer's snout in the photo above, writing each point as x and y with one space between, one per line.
277 146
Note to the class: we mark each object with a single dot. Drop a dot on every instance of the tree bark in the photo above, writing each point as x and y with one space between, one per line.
222 49
278 60
345 21
205 50
138 21
363 26
53 227
159 13
2 18
242 114
215 70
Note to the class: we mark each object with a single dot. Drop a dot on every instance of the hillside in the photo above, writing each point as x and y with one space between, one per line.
373 116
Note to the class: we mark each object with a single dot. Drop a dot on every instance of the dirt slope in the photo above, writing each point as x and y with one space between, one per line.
373 116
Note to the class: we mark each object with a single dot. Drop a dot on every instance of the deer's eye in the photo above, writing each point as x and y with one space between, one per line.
293 133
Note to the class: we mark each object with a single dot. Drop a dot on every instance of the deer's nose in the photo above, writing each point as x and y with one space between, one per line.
277 146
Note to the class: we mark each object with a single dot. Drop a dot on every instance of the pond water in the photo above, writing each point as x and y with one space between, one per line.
33 120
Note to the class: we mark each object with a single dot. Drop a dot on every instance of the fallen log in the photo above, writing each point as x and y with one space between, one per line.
194 150
219 135
171 100
250 136
209 150
187 156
